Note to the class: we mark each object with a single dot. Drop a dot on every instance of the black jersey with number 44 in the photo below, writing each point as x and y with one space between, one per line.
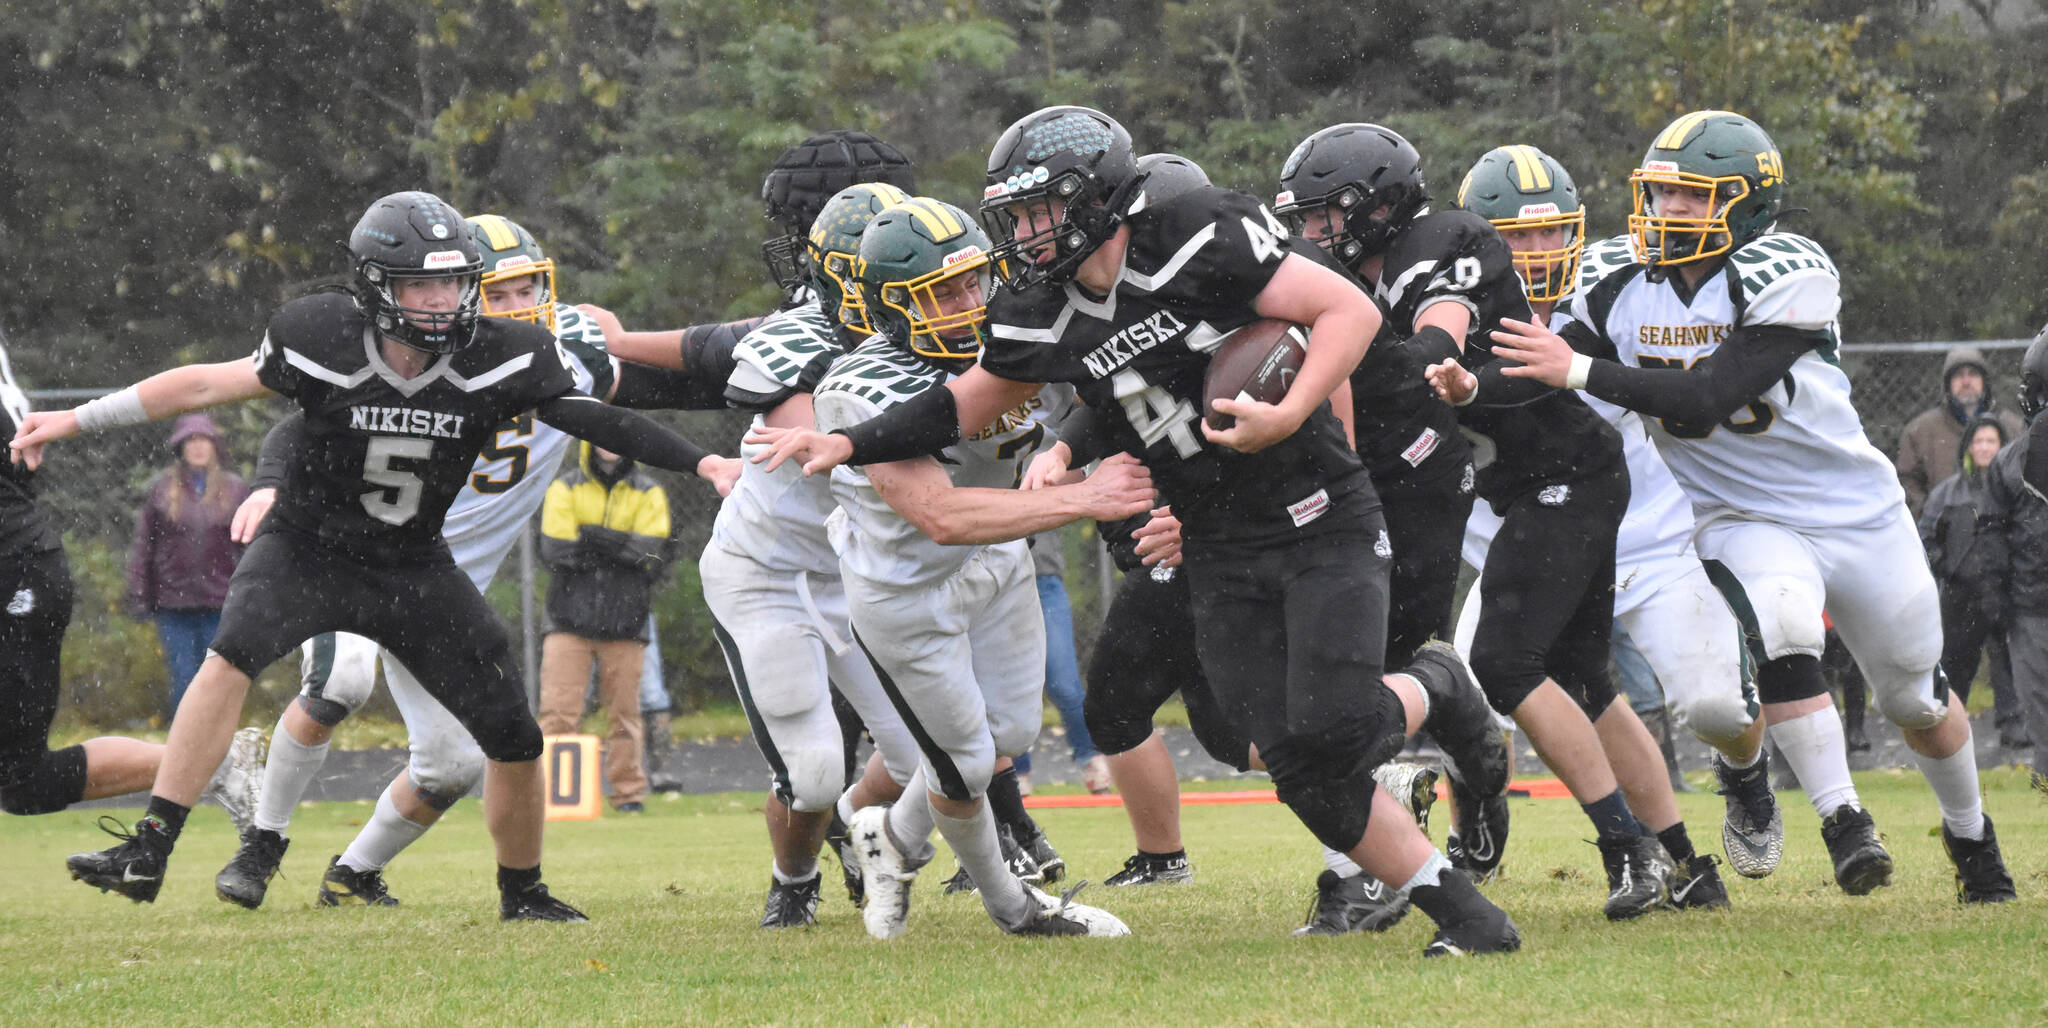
1193 271
381 457
1458 257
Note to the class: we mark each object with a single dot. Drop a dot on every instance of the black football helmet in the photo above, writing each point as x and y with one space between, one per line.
415 235
2034 376
1076 155
808 174
1353 170
1167 175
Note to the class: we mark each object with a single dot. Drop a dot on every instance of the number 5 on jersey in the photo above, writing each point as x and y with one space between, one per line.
397 497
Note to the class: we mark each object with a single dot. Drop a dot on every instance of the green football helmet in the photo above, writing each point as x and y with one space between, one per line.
1524 191
1724 154
835 245
510 252
925 277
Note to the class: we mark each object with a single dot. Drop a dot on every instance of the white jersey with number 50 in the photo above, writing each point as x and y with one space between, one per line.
1795 456
511 475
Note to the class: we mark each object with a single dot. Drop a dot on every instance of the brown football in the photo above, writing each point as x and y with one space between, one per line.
1254 362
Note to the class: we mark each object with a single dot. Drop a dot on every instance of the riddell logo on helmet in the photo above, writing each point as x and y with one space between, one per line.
1286 197
518 260
960 256
444 259
1538 210
1660 166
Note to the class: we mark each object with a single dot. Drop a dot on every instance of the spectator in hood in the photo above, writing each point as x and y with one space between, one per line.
178 570
1930 442
1973 620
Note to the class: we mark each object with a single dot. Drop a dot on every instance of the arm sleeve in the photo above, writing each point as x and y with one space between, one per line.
1083 434
645 388
1747 364
918 427
1498 390
621 431
274 459
1432 345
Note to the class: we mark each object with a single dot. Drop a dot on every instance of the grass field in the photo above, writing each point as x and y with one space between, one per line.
674 896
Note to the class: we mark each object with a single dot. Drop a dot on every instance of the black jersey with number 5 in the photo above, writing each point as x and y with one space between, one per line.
1458 257
381 457
1193 272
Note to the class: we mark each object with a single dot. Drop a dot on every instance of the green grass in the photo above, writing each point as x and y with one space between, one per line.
675 894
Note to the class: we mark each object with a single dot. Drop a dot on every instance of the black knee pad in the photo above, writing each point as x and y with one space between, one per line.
323 711
1505 676
1325 777
1789 678
509 737
56 781
1114 731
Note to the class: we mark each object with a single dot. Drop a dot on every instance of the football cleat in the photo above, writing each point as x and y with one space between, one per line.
884 873
849 869
1487 931
1696 885
534 904
247 876
1475 842
1980 868
1147 869
792 904
1359 903
343 885
1753 829
1047 866
1063 916
1861 863
135 868
1462 723
1412 784
1638 875
238 782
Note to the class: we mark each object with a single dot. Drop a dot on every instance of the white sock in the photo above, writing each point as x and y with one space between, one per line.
387 833
843 806
287 773
1812 744
974 841
788 879
1431 872
1744 765
1954 779
910 822
1343 865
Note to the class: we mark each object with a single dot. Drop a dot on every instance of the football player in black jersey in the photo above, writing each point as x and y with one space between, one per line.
1552 469
35 576
402 384
1282 537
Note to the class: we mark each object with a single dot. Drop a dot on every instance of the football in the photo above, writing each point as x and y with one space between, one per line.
1254 362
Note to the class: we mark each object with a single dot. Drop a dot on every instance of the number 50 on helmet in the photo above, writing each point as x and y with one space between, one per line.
925 276
1729 157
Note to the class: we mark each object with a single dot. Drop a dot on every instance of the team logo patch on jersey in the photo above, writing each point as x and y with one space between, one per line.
1469 480
23 602
1306 510
1163 574
1419 450
1554 495
1383 547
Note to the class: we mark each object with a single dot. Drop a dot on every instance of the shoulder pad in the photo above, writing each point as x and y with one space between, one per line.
1771 256
1604 258
311 324
582 340
1784 279
881 374
1427 257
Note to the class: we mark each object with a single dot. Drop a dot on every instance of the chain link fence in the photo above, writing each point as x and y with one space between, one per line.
114 674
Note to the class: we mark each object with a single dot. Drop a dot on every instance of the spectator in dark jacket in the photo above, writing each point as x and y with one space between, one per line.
178 571
2014 524
1929 443
604 536
1972 601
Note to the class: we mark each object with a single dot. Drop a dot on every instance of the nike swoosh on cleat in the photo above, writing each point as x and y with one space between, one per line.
128 875
1481 851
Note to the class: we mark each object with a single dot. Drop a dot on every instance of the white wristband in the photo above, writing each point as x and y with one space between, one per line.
123 407
1582 366
1471 396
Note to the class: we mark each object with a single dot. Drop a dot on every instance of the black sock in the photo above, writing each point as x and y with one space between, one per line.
1677 843
1161 858
170 815
1007 804
1451 899
1611 817
513 880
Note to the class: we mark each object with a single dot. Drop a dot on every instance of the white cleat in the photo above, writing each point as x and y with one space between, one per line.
238 782
884 873
1060 915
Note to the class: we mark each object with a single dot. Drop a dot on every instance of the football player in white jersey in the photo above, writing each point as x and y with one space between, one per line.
772 582
1722 333
503 491
936 572
1661 595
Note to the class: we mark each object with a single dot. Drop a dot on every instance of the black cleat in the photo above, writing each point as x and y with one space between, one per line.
1047 867
247 876
135 868
1980 869
841 842
1861 863
1462 723
792 905
1752 828
343 885
1489 931
1480 834
534 904
1697 885
1638 875
1360 903
1147 869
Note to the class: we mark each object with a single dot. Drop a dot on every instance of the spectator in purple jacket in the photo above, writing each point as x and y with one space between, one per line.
178 571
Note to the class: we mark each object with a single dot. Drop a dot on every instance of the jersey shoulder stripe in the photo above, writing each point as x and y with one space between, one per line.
790 345
881 374
1775 255
1604 258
